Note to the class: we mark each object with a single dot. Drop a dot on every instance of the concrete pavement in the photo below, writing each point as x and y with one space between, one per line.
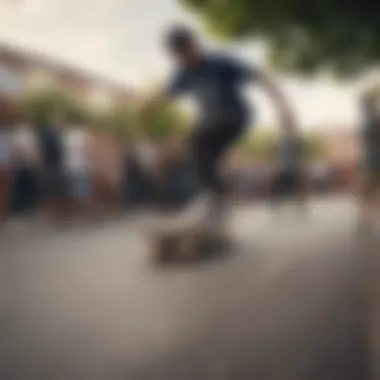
288 303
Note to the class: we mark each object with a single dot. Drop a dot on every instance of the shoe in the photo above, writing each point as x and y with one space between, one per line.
216 217
196 212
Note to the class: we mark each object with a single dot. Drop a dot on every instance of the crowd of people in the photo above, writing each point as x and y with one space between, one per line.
57 170
44 164
55 167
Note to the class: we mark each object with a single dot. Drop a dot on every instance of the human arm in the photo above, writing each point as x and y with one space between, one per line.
176 86
243 73
279 99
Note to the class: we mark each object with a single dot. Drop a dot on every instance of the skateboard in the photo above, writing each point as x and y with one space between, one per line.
186 243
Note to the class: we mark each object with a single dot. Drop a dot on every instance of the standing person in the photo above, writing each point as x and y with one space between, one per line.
215 81
52 157
151 158
369 171
27 162
181 176
6 153
289 179
77 165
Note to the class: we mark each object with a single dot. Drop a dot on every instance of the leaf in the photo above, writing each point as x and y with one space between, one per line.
302 36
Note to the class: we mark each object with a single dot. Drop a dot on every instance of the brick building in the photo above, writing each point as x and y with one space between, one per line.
21 72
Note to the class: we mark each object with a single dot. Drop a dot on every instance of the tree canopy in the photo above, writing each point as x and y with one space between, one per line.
123 121
164 122
39 106
302 36
261 145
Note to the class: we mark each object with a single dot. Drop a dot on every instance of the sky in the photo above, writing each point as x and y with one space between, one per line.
121 39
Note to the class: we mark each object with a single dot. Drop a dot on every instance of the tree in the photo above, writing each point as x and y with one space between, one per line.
258 145
121 121
303 36
163 122
40 106
315 146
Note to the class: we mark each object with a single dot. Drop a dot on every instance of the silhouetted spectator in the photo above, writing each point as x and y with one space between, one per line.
179 178
54 178
26 188
137 184
289 179
78 169
6 153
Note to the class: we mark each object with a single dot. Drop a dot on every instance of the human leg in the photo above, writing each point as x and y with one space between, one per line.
208 148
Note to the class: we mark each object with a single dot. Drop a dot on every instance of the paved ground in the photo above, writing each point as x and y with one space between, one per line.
288 303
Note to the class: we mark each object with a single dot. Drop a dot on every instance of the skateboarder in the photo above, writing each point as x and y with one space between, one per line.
215 81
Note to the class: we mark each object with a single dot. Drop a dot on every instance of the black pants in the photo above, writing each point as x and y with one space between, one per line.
208 144
25 192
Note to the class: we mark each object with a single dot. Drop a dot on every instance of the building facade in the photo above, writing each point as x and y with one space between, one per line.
22 72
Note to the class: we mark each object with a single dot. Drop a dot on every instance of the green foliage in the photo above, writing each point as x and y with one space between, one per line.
41 106
119 121
303 36
315 146
164 122
124 122
260 145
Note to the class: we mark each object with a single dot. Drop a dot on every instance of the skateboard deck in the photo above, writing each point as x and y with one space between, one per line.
181 242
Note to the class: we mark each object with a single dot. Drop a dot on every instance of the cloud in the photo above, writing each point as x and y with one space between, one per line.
108 35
